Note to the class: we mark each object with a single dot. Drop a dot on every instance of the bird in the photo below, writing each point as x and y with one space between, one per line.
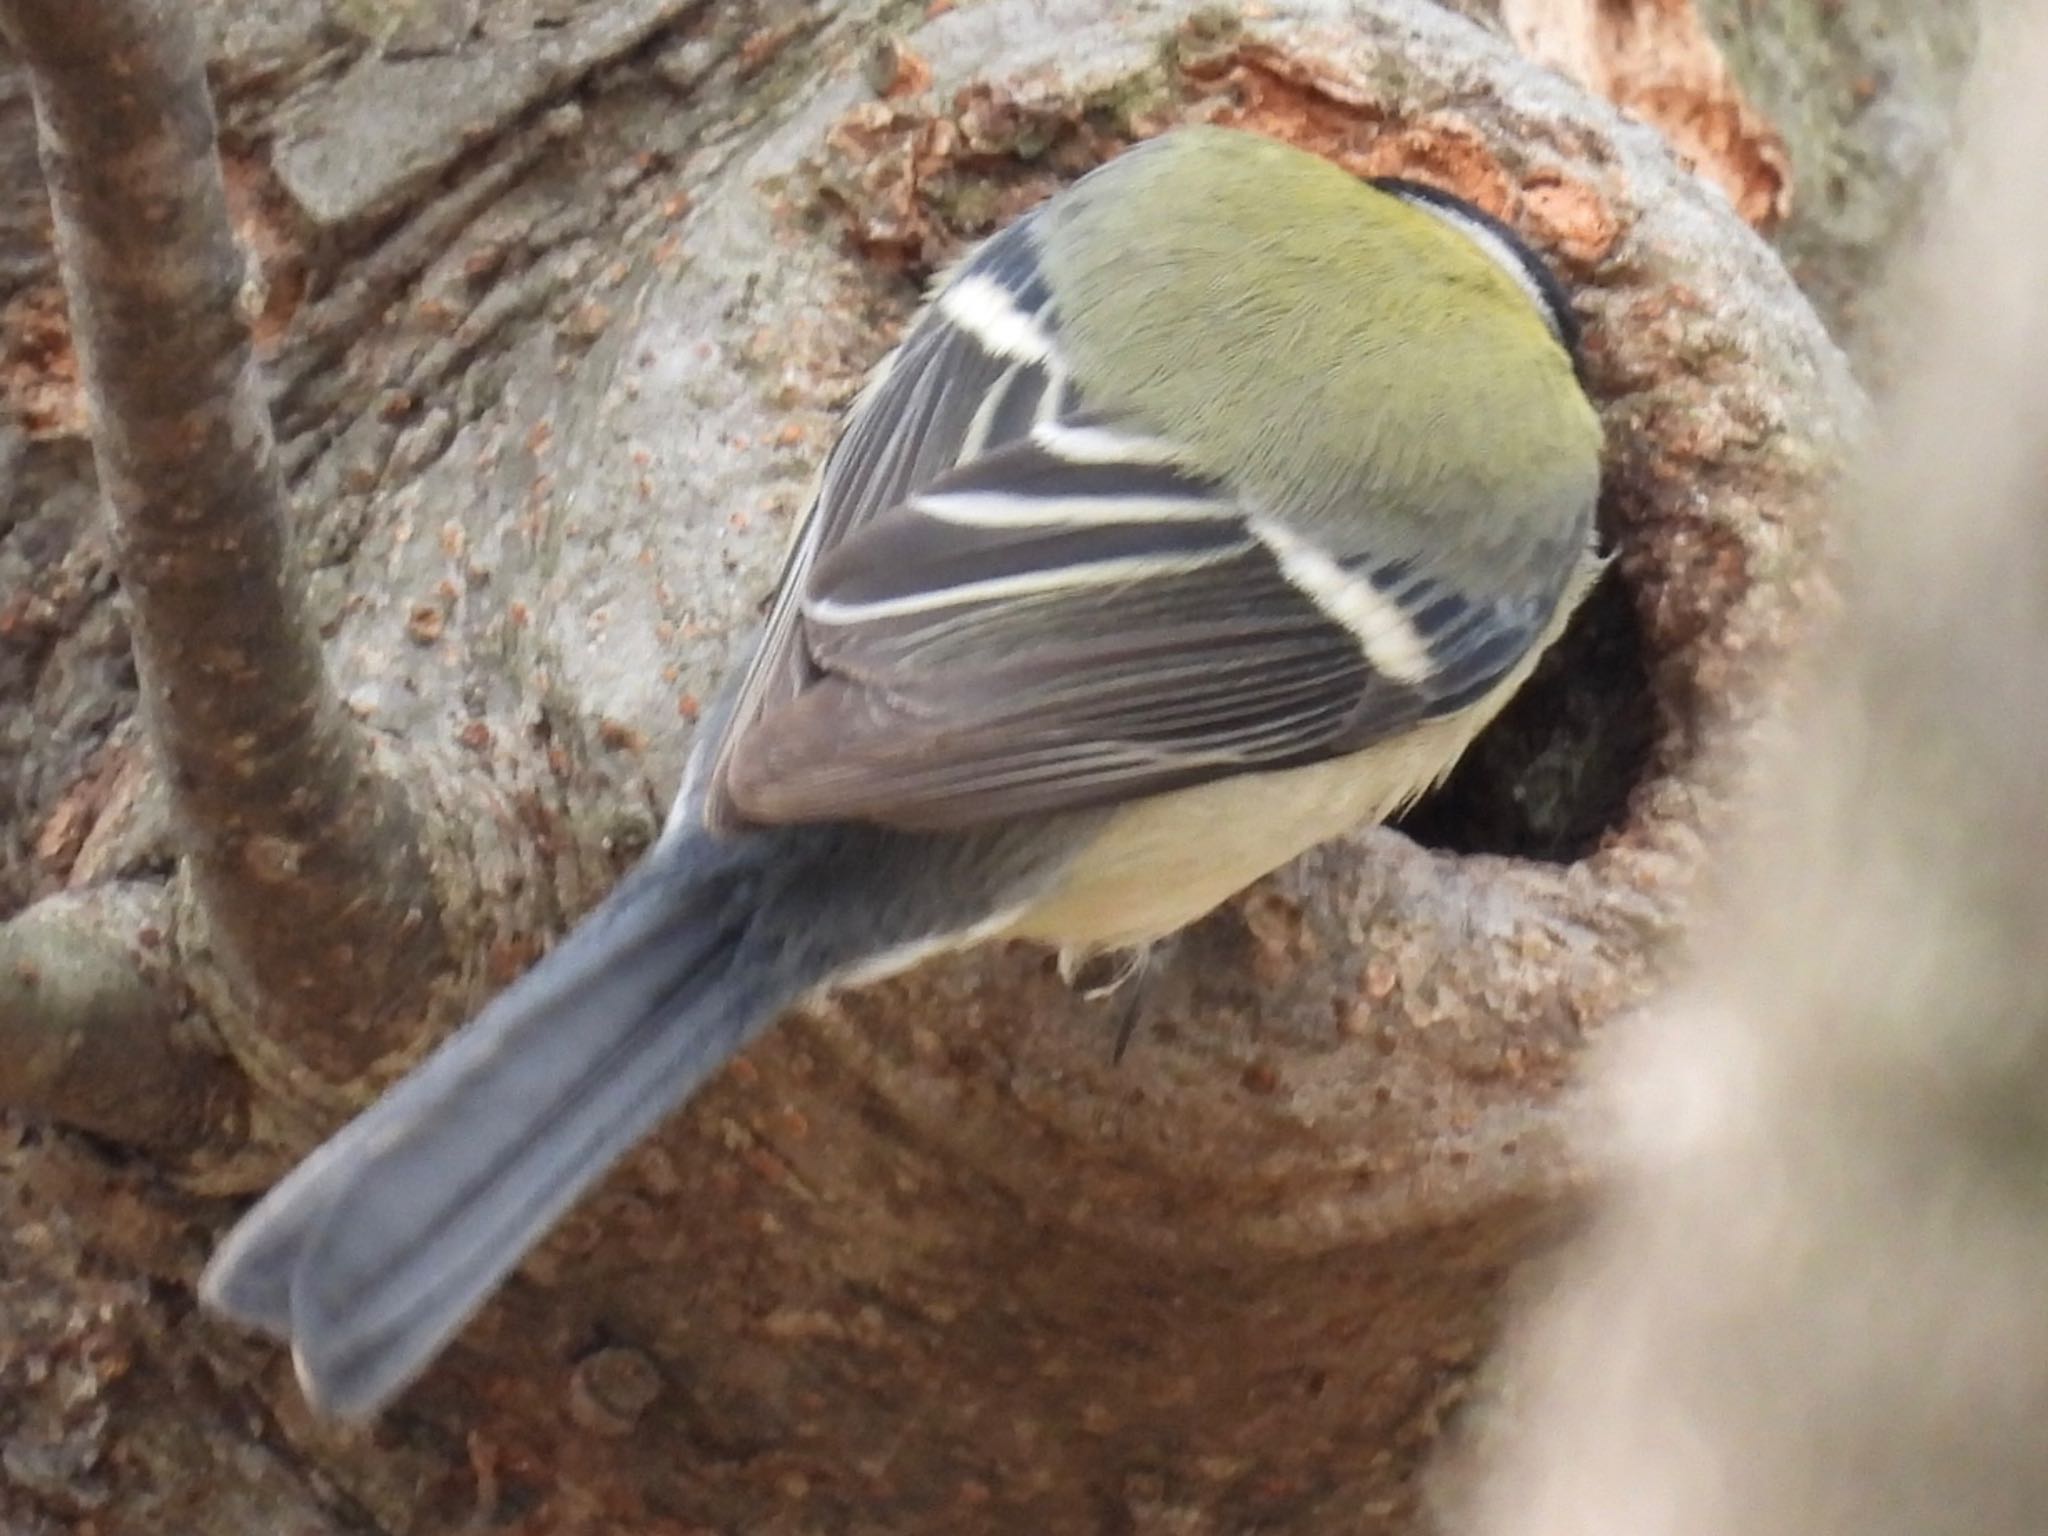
1205 512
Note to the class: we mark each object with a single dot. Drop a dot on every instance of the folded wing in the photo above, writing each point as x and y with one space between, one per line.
1007 602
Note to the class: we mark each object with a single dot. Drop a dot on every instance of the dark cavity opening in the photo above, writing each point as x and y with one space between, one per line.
1553 773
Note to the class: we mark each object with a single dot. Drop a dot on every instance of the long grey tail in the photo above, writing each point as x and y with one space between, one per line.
374 1252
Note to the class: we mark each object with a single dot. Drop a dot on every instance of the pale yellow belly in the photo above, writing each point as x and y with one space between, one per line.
1159 864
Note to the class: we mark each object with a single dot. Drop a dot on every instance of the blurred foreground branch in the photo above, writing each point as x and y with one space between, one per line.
1814 1303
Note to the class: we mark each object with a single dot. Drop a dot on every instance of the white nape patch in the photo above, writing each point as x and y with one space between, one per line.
1384 631
1100 445
894 962
1060 578
1502 254
997 509
988 312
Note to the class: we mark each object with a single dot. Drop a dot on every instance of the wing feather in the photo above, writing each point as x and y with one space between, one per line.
1007 602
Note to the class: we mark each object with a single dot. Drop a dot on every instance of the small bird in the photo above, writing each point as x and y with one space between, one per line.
1204 513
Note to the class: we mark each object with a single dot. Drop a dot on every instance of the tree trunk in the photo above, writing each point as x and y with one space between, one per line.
556 303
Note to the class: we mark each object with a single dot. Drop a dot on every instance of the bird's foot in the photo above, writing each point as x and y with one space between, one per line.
1098 975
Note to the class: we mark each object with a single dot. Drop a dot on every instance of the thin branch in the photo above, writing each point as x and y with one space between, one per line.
304 856
89 1025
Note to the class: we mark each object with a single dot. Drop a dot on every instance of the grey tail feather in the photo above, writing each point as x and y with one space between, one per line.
380 1246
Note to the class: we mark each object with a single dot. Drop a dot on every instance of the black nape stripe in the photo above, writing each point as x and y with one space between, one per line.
1555 297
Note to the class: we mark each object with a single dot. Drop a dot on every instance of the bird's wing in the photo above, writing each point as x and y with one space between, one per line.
978 368
1032 633
1009 603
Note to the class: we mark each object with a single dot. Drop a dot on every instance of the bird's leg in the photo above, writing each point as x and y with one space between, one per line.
1097 975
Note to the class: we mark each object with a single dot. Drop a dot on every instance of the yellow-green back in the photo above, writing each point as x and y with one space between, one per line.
1326 347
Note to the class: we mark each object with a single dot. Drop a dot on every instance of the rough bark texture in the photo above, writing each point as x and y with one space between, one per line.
89 1011
1864 94
1855 98
552 354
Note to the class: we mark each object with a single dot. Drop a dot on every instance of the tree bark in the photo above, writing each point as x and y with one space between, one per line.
552 359
304 860
88 1013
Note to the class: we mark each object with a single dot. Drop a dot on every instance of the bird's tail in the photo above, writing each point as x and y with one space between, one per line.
373 1252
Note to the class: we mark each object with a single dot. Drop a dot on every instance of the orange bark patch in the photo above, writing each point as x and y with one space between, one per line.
1296 97
109 776
1654 58
264 227
912 183
38 369
1568 217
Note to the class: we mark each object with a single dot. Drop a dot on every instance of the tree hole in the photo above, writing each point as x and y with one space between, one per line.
1552 775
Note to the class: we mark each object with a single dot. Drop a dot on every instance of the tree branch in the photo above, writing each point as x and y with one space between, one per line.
303 854
88 1017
